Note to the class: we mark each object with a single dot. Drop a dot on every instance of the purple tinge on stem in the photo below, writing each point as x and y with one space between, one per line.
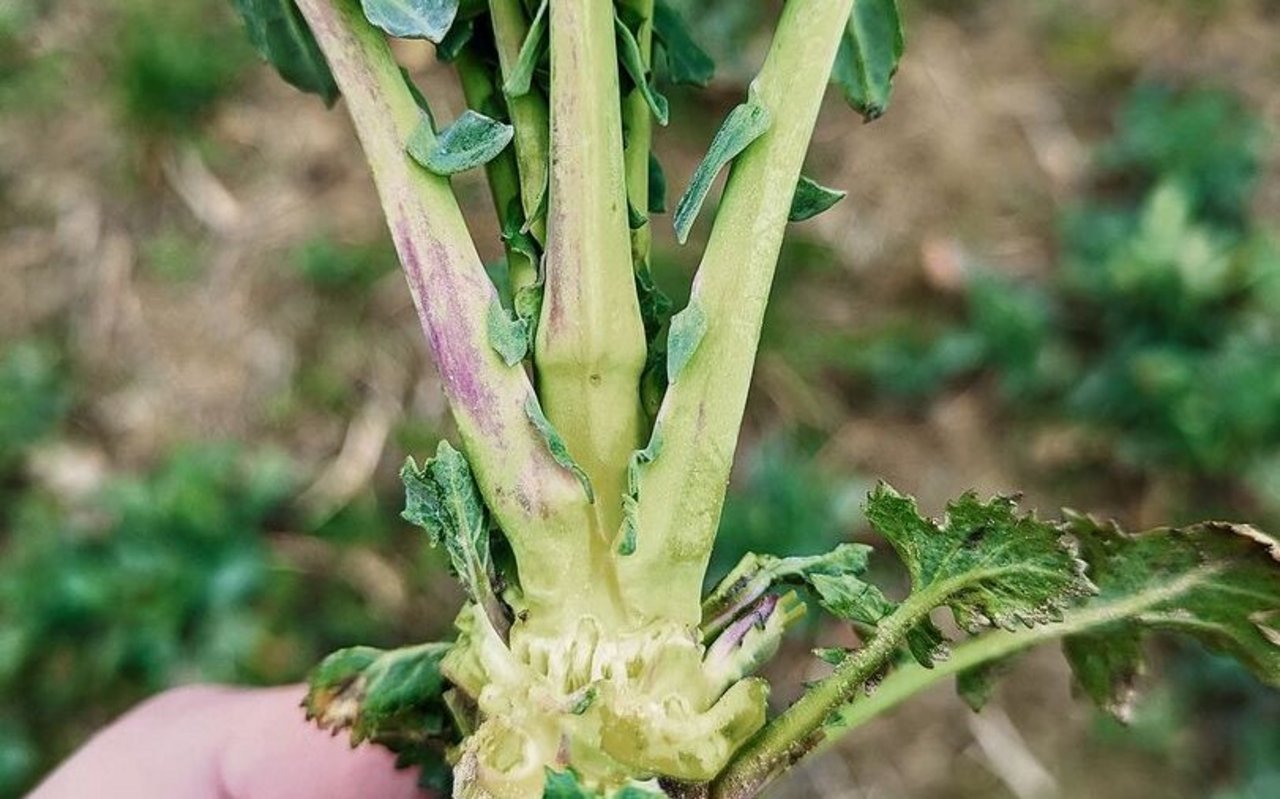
756 616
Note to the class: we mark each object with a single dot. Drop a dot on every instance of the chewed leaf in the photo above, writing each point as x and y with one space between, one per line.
281 36
508 335
812 198
1229 576
686 61
471 141
987 562
869 54
687 329
633 63
745 124
657 186
555 444
521 78
412 19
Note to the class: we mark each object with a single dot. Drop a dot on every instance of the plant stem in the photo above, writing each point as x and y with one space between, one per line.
590 344
833 708
637 121
530 495
482 93
528 112
682 491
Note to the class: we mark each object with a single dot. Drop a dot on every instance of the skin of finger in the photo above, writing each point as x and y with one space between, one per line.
206 742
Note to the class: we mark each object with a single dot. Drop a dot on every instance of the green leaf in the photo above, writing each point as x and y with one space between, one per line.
633 64
745 123
442 498
811 199
868 56
472 140
686 62
849 598
456 40
556 446
635 217
508 335
564 785
1231 603
977 685
528 307
521 78
687 329
390 697
412 19
657 185
631 500
281 36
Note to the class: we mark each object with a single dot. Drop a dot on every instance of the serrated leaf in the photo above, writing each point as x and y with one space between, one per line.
868 57
390 697
686 62
631 500
812 198
521 78
412 19
281 36
472 140
508 335
556 446
442 498
1229 604
633 64
687 329
861 603
657 185
745 123
987 562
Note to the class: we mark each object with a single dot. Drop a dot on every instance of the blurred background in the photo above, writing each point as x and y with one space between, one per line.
1057 272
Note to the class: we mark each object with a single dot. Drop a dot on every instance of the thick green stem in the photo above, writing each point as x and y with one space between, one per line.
810 726
637 121
482 93
532 497
528 112
590 346
682 491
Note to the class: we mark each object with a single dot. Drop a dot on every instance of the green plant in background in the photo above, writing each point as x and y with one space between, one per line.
597 429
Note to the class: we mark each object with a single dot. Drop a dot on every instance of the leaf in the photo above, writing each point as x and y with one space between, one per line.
755 575
863 604
281 36
556 446
988 563
977 685
635 217
633 64
390 697
745 123
528 307
472 140
521 78
687 329
868 56
456 40
811 199
686 62
508 335
412 19
1230 602
657 186
631 500
442 498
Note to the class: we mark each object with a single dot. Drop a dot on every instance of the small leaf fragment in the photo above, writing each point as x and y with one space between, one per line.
977 685
631 500
412 19
528 307
745 123
687 63
555 444
472 140
456 40
868 56
633 64
508 335
657 185
812 198
687 329
281 36
521 78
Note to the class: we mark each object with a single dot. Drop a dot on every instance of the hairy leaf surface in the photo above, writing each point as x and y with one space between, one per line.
282 37
472 140
745 123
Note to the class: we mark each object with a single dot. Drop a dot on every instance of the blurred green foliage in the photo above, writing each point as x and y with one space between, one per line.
331 265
